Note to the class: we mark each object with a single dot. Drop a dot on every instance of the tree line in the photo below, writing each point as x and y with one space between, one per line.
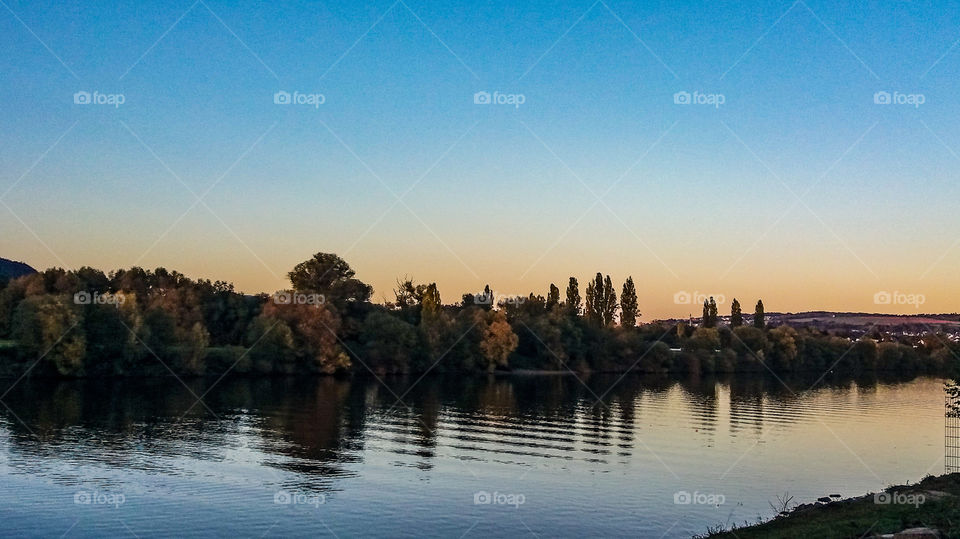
139 322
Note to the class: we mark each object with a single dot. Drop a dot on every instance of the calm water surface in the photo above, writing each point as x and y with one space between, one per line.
352 461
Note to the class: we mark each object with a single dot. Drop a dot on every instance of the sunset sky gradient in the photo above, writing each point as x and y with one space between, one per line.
799 188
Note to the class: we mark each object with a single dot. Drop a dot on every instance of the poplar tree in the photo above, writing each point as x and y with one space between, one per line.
573 297
590 303
758 316
553 298
628 304
609 304
736 317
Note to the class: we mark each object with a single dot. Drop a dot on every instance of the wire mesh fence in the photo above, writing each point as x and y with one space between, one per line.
951 449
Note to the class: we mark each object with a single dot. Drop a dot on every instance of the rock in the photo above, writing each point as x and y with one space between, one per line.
917 533
824 499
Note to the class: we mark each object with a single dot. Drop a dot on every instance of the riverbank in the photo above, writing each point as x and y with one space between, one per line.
933 503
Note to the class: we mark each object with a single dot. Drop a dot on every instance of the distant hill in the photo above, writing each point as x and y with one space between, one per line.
856 322
10 269
822 318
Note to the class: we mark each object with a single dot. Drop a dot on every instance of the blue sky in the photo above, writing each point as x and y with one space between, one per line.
700 197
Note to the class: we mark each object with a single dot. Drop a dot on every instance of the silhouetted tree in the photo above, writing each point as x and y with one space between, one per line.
430 302
736 317
591 307
758 316
553 297
609 302
330 275
628 304
573 297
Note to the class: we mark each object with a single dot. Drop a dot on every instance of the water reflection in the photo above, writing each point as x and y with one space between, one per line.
324 434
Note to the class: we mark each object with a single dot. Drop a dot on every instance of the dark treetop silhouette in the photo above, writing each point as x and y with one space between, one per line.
141 322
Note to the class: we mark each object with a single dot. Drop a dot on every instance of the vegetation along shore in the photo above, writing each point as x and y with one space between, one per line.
137 322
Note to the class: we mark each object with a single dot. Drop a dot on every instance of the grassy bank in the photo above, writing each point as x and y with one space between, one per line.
932 503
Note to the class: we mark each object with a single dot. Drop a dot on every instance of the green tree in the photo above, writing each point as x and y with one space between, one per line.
782 348
271 346
712 312
573 297
159 333
736 317
705 317
330 275
758 316
553 297
706 339
430 300
49 329
389 343
628 304
498 342
610 304
749 341
591 303
194 349
315 330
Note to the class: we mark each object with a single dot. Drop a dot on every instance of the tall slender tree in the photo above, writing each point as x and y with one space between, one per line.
431 300
628 304
553 297
573 297
610 304
712 312
758 316
705 318
736 317
590 302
